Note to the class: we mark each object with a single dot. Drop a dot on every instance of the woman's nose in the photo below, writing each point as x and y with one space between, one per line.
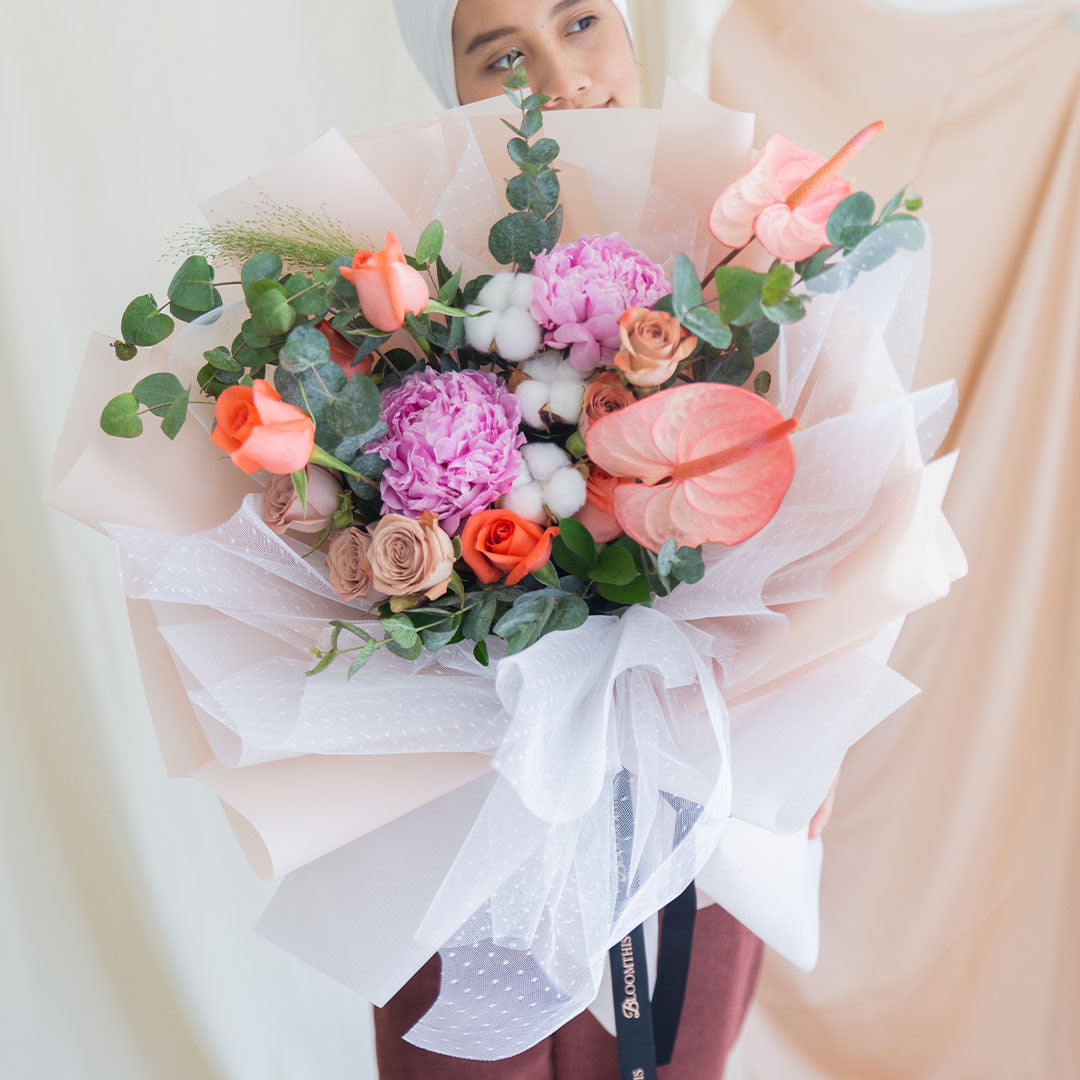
565 83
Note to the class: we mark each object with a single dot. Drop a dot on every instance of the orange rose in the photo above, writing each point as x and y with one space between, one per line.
654 343
498 542
598 513
605 394
260 431
388 287
343 351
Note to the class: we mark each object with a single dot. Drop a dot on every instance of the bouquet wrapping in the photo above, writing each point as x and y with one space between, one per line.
523 816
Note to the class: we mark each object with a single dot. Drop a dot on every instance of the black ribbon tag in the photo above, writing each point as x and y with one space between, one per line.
633 1013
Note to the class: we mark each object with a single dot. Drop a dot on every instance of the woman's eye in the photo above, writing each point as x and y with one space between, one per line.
582 24
506 62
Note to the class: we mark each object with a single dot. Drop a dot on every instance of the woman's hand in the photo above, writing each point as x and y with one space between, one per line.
821 818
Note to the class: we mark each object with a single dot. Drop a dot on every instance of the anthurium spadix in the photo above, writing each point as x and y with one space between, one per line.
706 463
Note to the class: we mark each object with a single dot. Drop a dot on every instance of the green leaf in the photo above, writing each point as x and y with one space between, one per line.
688 565
125 351
616 566
737 288
914 204
790 309
313 391
412 652
120 417
476 624
448 292
299 480
707 325
305 297
815 265
176 415
764 334
850 220
908 232
271 314
142 324
401 630
554 222
777 284
534 121
192 286
473 289
323 664
262 266
518 149
686 291
637 591
220 359
305 348
543 152
253 338
893 204
363 657
158 391
430 244
762 383
540 193
517 238
357 408
665 559
577 539
547 576
480 652
456 587
369 469
728 366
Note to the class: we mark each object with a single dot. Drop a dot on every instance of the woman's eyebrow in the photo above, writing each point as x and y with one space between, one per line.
489 36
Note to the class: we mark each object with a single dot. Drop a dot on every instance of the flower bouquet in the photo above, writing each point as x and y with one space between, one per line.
555 574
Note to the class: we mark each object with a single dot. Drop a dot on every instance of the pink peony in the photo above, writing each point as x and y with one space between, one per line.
786 198
581 289
453 447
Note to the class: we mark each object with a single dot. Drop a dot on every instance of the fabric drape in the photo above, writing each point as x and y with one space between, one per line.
950 894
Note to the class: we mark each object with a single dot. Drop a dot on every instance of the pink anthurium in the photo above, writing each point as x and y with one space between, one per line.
786 198
705 463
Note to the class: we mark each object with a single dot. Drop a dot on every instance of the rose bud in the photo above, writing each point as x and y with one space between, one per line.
260 431
411 558
282 509
605 394
497 542
654 343
347 559
388 287
343 351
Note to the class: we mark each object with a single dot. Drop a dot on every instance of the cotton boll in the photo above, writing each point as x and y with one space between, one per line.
566 400
544 367
524 476
532 396
498 293
544 459
526 501
522 293
517 335
480 331
565 492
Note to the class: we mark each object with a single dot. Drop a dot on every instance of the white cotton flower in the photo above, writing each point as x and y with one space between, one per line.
547 486
509 328
554 386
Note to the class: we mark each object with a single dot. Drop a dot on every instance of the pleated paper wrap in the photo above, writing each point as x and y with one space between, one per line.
521 819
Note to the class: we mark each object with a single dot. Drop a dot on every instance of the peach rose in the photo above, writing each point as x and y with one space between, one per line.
598 513
282 509
347 558
498 542
260 431
605 394
410 558
654 343
343 351
388 287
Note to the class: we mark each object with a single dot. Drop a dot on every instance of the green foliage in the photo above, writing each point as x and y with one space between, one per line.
192 287
689 307
272 315
574 549
143 324
430 245
737 288
120 417
537 613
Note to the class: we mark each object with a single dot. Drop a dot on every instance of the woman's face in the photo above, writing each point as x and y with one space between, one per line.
578 53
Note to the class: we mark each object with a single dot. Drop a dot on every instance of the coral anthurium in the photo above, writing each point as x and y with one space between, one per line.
706 463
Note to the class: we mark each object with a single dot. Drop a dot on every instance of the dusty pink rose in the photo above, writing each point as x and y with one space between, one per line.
786 198
605 394
347 559
654 344
411 558
281 506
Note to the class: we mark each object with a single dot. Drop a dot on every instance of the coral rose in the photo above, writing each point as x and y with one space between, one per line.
388 287
260 431
343 351
347 559
605 394
654 343
411 558
281 505
598 513
498 542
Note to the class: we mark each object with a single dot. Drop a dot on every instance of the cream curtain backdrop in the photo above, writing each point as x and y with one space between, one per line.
125 906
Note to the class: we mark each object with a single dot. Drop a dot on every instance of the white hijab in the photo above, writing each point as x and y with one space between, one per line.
427 27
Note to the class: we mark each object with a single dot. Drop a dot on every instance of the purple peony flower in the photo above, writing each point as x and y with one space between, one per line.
581 289
453 446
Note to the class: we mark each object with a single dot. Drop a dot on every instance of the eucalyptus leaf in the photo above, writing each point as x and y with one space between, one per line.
615 566
260 267
143 325
192 286
850 219
736 288
543 152
400 630
176 415
120 417
707 325
476 624
158 391
271 313
363 658
517 238
430 244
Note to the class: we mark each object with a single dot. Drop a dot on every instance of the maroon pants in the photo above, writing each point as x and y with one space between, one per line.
724 968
